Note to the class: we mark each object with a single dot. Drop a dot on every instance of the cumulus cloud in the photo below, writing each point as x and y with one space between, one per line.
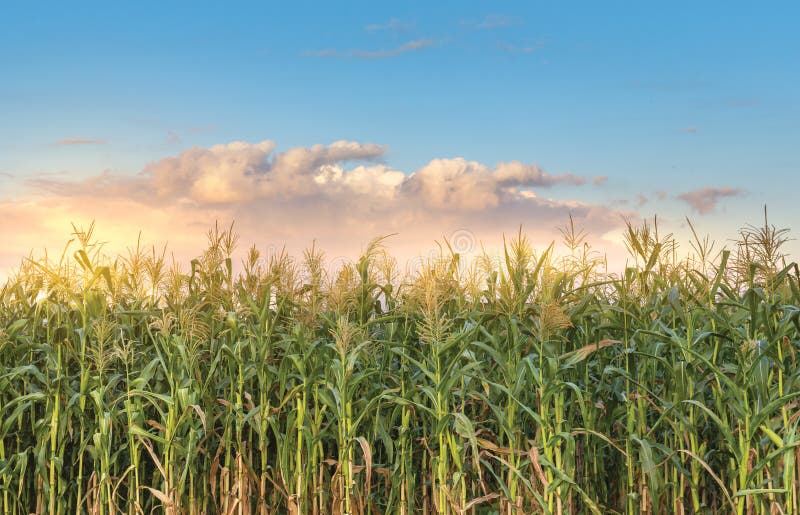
705 200
410 46
341 194
455 184
520 174
471 186
244 172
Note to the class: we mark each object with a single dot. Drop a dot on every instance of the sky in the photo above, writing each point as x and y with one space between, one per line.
342 121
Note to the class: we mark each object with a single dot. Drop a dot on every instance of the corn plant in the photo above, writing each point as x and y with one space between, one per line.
536 381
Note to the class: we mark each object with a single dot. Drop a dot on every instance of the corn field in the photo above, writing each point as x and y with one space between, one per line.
538 382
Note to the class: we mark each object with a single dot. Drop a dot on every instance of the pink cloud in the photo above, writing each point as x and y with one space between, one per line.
705 200
80 141
340 195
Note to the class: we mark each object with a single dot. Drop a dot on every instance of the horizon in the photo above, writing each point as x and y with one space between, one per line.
572 249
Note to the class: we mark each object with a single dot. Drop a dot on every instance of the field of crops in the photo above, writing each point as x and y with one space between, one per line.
538 382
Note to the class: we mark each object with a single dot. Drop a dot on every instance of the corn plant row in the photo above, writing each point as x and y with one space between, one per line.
539 382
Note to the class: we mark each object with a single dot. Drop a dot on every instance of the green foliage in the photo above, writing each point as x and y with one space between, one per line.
539 383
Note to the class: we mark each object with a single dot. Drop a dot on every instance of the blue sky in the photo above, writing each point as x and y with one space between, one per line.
663 99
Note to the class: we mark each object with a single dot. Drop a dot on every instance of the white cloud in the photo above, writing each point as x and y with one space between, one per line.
393 25
492 21
453 184
519 49
339 194
410 46
244 172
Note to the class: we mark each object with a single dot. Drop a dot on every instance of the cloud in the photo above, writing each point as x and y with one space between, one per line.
201 128
341 194
80 141
173 138
516 49
414 45
531 175
691 129
742 102
667 86
242 172
705 200
393 25
491 21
